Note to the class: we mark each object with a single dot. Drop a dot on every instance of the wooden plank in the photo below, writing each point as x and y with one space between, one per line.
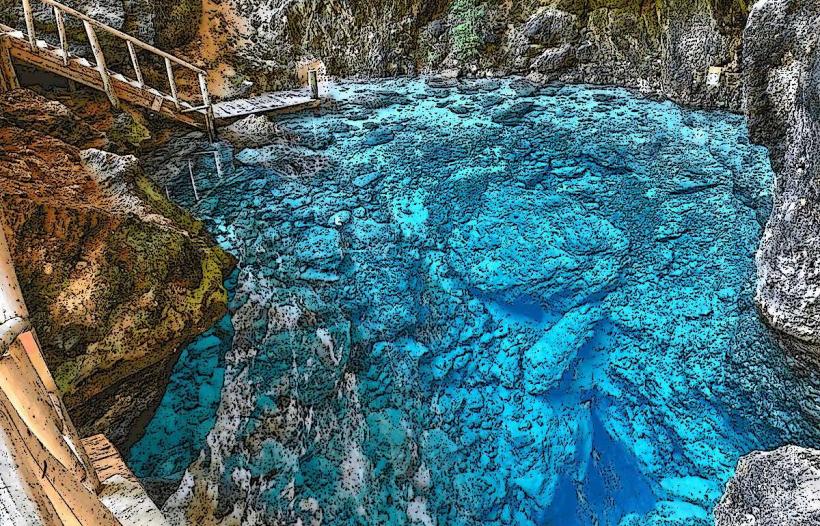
169 69
58 17
135 62
99 57
313 80
232 110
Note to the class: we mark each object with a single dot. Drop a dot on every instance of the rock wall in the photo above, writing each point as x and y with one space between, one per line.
663 46
781 70
116 277
782 79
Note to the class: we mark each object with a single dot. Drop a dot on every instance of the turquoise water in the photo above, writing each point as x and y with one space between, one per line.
482 303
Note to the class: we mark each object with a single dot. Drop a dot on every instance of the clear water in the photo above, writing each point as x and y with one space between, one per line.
483 304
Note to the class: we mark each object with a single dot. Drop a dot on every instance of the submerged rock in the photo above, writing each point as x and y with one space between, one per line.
546 318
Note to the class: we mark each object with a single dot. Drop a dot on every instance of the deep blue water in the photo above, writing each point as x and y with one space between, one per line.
482 303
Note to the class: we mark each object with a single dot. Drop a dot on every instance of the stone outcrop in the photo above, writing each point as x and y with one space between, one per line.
782 79
116 277
773 489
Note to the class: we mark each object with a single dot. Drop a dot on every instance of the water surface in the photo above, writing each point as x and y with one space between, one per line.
481 303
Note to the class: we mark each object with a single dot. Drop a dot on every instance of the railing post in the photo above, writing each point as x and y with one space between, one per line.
313 80
7 73
171 82
29 16
209 109
101 67
58 17
135 63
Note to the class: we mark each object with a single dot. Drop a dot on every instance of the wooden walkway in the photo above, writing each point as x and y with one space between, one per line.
268 103
199 111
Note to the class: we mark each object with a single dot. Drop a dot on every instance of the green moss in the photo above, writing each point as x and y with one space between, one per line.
465 35
129 129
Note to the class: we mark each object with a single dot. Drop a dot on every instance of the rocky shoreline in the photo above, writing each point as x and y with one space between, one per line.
117 277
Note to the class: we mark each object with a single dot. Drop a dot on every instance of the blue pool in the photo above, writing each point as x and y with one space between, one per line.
479 303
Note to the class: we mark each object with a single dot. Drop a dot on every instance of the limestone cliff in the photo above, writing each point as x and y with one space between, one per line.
782 79
781 68
116 277
665 46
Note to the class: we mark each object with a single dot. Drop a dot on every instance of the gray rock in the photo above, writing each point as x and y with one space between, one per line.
781 74
775 488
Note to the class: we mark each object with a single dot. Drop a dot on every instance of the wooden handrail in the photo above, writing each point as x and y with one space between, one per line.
119 34
90 24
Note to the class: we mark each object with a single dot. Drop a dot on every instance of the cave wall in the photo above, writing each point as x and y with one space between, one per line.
660 46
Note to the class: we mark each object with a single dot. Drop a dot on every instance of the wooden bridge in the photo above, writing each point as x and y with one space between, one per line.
199 111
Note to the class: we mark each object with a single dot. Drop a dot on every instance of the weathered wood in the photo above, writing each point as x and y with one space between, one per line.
49 60
8 76
208 107
28 14
58 17
271 104
313 80
99 58
135 62
169 69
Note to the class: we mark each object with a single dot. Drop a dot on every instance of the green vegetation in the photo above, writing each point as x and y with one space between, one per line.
466 36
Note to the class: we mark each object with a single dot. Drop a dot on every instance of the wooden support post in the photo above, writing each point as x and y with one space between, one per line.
209 109
134 62
8 76
171 82
313 80
29 16
58 17
101 67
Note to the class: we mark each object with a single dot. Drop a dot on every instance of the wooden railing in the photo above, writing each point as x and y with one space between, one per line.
90 25
46 474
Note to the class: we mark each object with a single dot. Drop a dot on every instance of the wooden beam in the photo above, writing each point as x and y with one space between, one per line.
29 16
135 62
49 60
99 57
8 76
58 16
171 82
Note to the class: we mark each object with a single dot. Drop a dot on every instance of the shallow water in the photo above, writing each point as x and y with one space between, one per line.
483 304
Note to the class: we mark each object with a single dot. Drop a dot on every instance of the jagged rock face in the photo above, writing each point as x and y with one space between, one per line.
665 46
116 277
782 79
773 489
